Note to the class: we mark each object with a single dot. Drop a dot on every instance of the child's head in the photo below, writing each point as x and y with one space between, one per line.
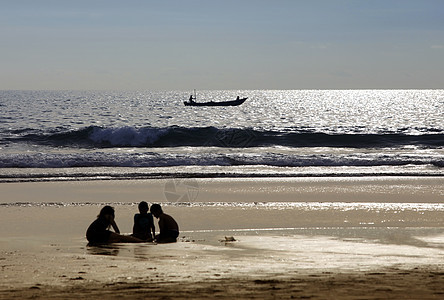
156 210
143 207
106 212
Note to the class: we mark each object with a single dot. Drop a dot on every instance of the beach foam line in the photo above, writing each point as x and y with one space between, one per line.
342 206
25 176
244 230
281 229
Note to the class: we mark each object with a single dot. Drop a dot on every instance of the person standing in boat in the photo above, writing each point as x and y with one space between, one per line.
192 99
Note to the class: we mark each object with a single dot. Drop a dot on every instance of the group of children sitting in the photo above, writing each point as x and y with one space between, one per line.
143 230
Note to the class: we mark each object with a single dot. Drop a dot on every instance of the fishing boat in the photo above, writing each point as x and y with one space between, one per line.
212 103
192 102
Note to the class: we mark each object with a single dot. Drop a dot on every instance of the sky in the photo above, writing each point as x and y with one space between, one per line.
221 44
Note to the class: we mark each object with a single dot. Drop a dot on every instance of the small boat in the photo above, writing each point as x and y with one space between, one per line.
236 102
192 102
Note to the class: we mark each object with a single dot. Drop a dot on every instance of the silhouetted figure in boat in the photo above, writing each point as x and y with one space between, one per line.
98 232
192 99
169 230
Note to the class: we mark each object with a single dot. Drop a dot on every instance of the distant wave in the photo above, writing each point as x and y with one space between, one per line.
175 136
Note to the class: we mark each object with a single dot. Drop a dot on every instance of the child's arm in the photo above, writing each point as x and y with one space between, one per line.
114 225
135 222
153 228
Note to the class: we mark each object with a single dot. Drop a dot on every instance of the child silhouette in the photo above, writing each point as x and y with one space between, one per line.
143 223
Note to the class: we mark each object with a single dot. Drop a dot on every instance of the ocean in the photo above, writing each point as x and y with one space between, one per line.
89 135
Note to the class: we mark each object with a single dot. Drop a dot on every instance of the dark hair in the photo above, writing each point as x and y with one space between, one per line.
106 210
143 205
156 207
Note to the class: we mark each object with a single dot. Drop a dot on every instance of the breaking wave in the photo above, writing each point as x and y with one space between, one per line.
175 136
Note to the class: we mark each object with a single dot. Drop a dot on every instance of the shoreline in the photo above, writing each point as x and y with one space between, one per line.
25 178
25 175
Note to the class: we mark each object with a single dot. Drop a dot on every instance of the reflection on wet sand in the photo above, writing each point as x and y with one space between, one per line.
103 249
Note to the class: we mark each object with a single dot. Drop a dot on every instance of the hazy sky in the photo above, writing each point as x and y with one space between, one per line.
221 44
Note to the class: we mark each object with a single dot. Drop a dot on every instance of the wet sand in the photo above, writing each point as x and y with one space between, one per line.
425 283
325 249
317 268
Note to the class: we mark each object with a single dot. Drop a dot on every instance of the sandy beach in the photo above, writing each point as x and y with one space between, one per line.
301 238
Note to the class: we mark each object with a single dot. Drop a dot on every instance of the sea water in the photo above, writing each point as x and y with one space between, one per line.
110 135
64 135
